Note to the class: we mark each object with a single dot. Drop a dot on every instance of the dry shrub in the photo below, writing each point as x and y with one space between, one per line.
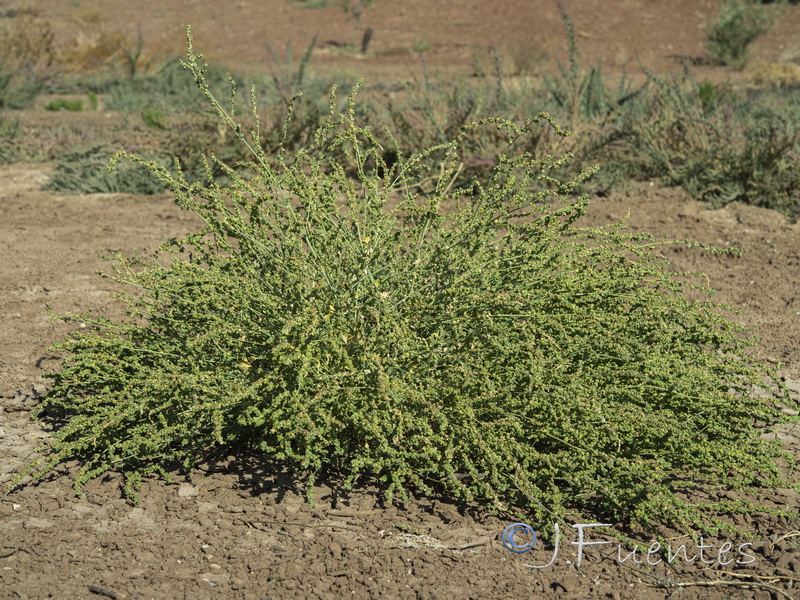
510 59
93 52
18 9
779 74
86 16
26 42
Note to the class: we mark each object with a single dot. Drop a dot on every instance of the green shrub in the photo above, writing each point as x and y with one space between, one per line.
83 171
717 144
738 24
582 96
153 117
169 89
707 92
469 338
63 104
18 87
10 140
289 75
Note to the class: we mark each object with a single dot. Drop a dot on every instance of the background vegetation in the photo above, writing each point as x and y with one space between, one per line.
737 25
719 142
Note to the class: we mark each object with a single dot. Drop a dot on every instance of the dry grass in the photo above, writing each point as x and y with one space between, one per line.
26 42
91 52
779 74
511 60
84 15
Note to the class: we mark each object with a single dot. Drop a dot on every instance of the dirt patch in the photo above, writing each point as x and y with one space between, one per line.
661 36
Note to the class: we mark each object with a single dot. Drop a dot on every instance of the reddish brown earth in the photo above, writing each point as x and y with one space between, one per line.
237 529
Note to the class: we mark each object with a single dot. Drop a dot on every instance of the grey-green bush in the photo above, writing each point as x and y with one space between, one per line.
337 316
738 24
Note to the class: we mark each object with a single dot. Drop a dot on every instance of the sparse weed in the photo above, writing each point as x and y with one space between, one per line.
287 77
421 44
433 111
85 15
133 57
53 143
26 43
717 144
754 147
781 75
26 54
83 171
515 60
354 8
18 87
737 25
169 89
10 138
113 53
583 97
405 528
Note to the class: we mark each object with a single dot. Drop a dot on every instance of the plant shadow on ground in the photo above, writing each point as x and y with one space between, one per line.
276 480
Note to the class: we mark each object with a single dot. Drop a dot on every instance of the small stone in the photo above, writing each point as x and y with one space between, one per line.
570 582
187 489
784 561
793 386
